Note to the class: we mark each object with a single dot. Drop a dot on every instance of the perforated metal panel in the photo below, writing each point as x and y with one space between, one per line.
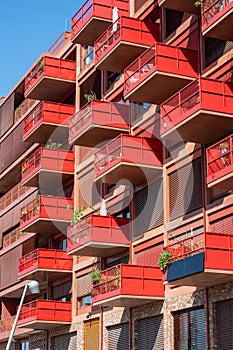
149 256
64 342
150 333
118 337
224 324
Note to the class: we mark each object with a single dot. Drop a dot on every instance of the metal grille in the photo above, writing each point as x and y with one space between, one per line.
224 324
138 4
118 337
64 342
150 333
148 208
149 256
190 330
84 285
37 341
185 189
62 289
215 48
223 225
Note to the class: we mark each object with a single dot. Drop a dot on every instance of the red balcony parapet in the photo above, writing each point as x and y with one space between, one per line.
200 112
130 157
217 19
50 73
98 121
46 260
46 214
93 18
165 66
43 120
220 164
97 235
123 41
128 285
47 161
43 314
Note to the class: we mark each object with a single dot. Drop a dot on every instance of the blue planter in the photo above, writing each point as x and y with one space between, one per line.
185 267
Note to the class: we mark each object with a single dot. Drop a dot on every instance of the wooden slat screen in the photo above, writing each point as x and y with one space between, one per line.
64 342
150 333
118 337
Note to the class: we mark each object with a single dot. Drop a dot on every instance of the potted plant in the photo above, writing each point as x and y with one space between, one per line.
164 260
95 275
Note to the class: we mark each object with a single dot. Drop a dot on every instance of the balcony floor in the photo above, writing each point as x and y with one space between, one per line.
221 28
100 249
48 226
44 178
224 182
126 301
43 132
39 324
88 34
41 275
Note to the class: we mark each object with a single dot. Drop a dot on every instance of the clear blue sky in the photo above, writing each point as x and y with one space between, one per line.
28 28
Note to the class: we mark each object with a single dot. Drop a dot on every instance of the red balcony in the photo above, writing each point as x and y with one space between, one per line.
50 79
47 165
46 214
217 19
45 119
128 157
203 260
97 122
45 264
128 285
44 314
166 67
220 164
98 235
181 5
123 42
93 18
201 112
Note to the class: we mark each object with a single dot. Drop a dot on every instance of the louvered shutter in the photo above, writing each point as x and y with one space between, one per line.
149 256
190 329
148 208
84 285
185 189
150 333
224 324
113 261
65 342
118 337
223 225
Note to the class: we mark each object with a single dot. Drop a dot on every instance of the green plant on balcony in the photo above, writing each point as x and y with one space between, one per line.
206 3
77 214
164 260
53 145
95 275
91 96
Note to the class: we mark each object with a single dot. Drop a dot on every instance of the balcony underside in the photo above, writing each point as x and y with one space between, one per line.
50 89
45 178
182 6
100 249
223 182
120 56
135 173
157 87
18 334
126 300
41 275
221 28
48 226
94 135
201 127
88 34
40 324
44 131
207 278
17 290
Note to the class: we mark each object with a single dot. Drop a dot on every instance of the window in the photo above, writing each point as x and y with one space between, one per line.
24 345
88 55
190 329
60 243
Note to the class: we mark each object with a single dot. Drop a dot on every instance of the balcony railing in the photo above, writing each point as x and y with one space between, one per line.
44 212
217 18
60 42
12 237
47 160
48 312
95 11
122 283
220 163
169 60
98 236
190 111
44 259
23 108
98 115
134 151
134 36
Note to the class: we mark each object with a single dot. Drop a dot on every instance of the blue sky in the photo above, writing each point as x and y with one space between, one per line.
28 28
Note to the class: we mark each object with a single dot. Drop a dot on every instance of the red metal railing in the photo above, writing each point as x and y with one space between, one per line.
33 118
210 8
45 259
32 163
24 108
129 148
60 42
126 29
164 57
99 229
96 8
220 156
46 310
110 280
100 113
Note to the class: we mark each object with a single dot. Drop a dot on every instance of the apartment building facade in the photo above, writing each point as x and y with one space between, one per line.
116 182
